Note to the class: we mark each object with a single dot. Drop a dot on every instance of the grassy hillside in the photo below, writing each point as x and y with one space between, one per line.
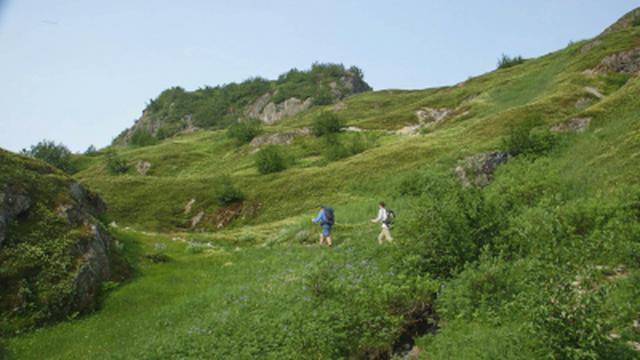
541 263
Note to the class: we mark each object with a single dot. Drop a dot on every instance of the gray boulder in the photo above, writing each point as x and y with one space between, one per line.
12 205
283 138
478 170
626 62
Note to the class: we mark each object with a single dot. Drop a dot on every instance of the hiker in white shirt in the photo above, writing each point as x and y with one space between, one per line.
384 219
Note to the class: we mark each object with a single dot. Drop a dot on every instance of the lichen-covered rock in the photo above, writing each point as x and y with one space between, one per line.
283 138
478 170
431 117
143 167
270 112
12 204
44 212
573 125
626 62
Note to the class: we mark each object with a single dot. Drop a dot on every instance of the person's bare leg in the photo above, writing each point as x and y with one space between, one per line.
380 237
321 239
329 241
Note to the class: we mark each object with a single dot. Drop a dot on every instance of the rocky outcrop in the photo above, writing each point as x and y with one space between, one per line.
478 170
143 167
427 118
626 62
573 125
48 213
284 138
269 112
431 117
592 94
12 205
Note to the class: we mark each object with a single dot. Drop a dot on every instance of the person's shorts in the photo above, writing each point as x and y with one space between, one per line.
326 230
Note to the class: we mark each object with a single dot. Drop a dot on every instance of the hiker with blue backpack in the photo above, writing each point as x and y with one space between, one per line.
326 219
385 217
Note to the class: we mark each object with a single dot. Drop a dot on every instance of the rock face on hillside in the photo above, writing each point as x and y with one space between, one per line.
626 62
268 112
478 170
48 215
284 138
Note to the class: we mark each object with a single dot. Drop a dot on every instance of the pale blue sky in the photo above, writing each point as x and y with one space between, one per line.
80 71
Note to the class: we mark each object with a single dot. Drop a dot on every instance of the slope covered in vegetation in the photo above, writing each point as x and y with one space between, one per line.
539 258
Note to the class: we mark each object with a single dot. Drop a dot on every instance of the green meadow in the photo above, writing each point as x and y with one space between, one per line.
542 263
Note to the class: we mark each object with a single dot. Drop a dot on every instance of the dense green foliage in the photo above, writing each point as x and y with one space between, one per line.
115 164
325 123
228 193
506 61
57 155
529 138
142 137
271 159
244 131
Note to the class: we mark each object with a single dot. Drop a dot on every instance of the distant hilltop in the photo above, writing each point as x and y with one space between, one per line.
176 110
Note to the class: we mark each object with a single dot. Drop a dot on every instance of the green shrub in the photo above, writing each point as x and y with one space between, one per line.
142 137
227 192
570 325
271 159
245 130
91 150
335 149
448 225
57 155
115 164
525 138
636 20
505 61
326 122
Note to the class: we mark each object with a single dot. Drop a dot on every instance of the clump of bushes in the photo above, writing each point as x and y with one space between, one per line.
335 149
325 123
91 150
528 139
57 155
506 61
271 159
245 130
228 193
142 137
115 164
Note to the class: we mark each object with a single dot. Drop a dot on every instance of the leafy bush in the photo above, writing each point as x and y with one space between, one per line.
335 149
525 138
244 131
447 226
505 61
570 325
326 122
91 150
57 155
115 164
142 137
227 192
271 159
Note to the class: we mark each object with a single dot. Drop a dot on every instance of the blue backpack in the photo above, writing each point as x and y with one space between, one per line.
328 214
